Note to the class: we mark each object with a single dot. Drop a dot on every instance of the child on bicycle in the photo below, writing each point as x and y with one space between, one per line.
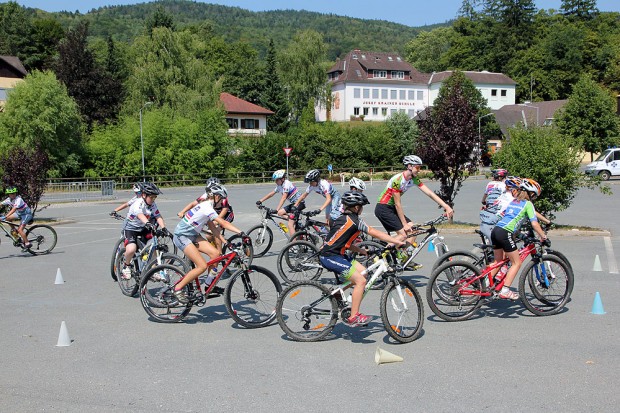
137 189
21 210
138 223
343 232
331 206
188 238
502 235
492 192
289 192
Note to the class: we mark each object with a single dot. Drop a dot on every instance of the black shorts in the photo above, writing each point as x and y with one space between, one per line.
300 207
389 218
131 237
503 239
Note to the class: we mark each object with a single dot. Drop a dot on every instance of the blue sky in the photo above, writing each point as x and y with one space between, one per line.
411 13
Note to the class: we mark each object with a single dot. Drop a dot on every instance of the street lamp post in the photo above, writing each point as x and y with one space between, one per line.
142 139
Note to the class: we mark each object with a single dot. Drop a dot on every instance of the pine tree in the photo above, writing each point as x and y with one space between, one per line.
273 96
582 9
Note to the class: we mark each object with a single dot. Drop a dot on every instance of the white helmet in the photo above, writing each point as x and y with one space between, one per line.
278 174
412 160
357 183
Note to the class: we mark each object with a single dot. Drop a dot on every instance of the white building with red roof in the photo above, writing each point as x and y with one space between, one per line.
12 71
243 117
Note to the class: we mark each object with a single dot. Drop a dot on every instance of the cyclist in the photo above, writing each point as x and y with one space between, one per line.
187 238
389 209
343 232
356 184
331 206
138 223
289 192
492 192
21 210
137 189
502 235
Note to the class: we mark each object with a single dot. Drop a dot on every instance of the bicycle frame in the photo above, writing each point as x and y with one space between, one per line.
14 238
432 237
269 217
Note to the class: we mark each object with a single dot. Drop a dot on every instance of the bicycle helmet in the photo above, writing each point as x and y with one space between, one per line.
312 176
213 180
137 187
357 183
353 198
217 189
531 186
513 182
11 190
149 188
279 174
499 173
412 160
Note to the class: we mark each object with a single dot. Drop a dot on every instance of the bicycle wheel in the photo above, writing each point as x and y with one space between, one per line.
402 310
448 294
307 236
545 285
43 239
117 248
373 249
170 259
299 261
460 255
248 250
251 296
262 238
129 287
167 241
157 296
306 311
564 259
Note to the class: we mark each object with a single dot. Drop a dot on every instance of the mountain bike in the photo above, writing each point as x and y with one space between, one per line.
250 296
308 310
42 237
309 229
457 289
262 234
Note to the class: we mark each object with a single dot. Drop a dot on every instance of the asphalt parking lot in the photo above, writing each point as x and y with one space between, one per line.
504 359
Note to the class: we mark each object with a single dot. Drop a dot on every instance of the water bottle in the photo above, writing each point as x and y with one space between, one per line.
14 232
283 226
207 280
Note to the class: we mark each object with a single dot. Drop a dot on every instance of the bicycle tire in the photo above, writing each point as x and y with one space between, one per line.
262 238
307 236
115 252
396 326
299 261
170 259
41 236
460 255
251 296
168 242
247 248
442 291
129 287
157 296
299 318
562 257
538 298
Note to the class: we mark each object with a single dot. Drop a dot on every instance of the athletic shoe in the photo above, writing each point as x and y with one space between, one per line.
358 319
160 276
126 272
26 247
181 296
414 266
509 295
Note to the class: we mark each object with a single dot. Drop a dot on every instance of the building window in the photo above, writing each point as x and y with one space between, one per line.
375 93
366 93
375 111
420 95
402 94
397 74
356 93
393 94
494 92
356 111
503 93
411 94
411 113
379 73
366 111
249 123
384 112
384 93
232 123
393 112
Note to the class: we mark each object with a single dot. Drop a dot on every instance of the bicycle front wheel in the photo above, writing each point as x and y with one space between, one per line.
251 296
262 238
461 255
451 292
117 248
306 311
402 311
43 239
157 295
307 236
129 287
299 261
545 285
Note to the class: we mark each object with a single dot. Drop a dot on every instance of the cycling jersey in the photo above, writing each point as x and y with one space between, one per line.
493 191
132 222
288 188
21 207
134 199
343 232
220 205
399 184
495 202
323 188
514 213
195 219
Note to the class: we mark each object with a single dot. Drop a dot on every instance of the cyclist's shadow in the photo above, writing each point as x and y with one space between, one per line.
208 314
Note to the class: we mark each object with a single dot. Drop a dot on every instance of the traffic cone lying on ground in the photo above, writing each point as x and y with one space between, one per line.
382 356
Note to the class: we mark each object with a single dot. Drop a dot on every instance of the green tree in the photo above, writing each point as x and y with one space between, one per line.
26 169
40 113
427 51
273 95
45 35
14 29
589 118
582 9
542 154
449 134
302 71
160 18
404 131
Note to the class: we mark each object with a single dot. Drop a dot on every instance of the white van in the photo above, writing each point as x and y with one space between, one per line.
606 165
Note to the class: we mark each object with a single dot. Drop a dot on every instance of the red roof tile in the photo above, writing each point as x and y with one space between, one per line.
233 104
